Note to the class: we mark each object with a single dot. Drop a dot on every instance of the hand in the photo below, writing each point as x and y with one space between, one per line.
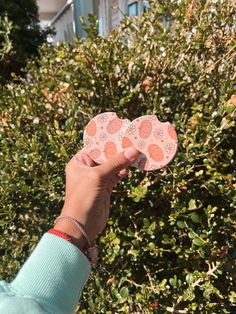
88 191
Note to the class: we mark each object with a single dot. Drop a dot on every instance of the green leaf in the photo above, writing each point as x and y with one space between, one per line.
195 217
145 222
191 235
124 292
199 173
198 241
192 204
97 282
152 246
181 224
152 227
189 278
63 151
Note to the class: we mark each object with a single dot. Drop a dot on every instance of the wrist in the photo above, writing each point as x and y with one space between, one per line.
77 236
73 232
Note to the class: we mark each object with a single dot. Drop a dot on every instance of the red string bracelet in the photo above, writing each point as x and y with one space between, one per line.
61 234
91 252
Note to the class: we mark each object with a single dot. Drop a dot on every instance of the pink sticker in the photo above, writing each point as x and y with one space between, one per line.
157 142
103 136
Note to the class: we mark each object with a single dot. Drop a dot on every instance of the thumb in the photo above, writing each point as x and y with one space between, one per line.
119 162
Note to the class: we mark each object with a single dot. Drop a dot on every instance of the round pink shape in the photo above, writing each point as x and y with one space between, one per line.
158 139
172 132
155 152
114 125
91 128
126 143
145 129
107 139
110 149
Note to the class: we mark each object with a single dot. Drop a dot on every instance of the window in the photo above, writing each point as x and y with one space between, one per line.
146 6
133 9
136 8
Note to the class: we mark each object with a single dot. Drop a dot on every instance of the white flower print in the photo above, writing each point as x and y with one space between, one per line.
87 142
158 133
103 137
131 129
154 167
170 148
102 118
120 135
141 144
126 121
152 118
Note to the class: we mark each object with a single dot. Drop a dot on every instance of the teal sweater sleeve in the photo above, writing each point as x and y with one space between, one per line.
50 281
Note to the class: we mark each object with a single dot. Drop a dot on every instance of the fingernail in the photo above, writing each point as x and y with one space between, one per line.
131 153
123 172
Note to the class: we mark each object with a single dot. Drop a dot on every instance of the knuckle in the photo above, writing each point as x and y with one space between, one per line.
116 162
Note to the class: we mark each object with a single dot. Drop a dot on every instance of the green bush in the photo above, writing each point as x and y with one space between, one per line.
168 247
5 42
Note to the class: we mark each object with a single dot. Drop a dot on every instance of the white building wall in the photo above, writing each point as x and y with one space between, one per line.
115 21
64 26
123 8
110 13
104 11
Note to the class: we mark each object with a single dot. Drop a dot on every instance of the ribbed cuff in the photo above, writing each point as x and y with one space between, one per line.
54 274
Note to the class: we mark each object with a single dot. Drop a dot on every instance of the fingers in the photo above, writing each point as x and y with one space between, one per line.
123 172
88 160
118 162
116 179
84 159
